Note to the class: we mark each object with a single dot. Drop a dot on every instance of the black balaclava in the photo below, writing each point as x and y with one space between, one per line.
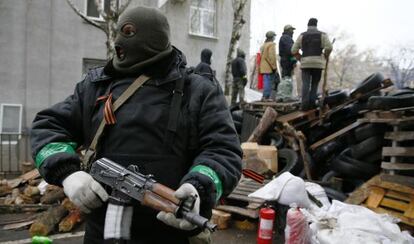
313 22
206 55
143 37
241 54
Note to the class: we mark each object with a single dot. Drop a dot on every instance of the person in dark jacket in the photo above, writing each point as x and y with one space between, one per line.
196 152
316 47
239 71
287 63
204 68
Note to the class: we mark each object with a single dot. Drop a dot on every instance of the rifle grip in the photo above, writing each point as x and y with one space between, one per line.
165 192
159 203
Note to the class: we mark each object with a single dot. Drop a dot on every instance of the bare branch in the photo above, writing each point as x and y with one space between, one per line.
84 17
123 7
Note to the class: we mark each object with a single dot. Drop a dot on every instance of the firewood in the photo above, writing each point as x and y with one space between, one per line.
266 122
33 174
74 217
47 221
5 190
35 182
23 199
53 196
68 204
12 197
31 191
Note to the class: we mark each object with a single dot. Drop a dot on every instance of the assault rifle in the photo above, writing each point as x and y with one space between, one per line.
128 183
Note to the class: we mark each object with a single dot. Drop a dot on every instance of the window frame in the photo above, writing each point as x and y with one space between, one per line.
201 9
11 142
100 18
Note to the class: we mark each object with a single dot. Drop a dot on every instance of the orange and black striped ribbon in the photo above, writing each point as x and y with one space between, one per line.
253 175
108 111
109 115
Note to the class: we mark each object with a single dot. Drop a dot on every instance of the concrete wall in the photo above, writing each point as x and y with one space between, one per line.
43 43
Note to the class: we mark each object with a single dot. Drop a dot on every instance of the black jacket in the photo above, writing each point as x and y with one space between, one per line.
238 66
204 68
285 45
205 133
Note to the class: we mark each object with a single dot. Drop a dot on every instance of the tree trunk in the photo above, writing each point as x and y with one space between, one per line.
266 122
238 22
53 196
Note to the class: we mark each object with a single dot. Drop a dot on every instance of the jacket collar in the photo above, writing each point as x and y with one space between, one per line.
312 28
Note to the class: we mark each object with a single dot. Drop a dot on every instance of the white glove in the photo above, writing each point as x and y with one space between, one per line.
182 193
85 192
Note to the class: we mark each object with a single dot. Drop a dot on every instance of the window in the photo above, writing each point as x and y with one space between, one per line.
10 118
90 63
203 18
92 9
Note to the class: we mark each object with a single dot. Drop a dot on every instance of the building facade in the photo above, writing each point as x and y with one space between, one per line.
45 48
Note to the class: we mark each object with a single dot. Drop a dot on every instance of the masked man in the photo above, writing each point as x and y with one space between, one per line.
190 145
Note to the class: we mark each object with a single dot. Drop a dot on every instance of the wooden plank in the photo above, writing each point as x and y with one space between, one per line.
398 195
405 220
18 225
398 179
398 151
294 115
399 135
359 195
396 187
394 204
335 135
409 212
375 197
245 198
402 109
397 166
382 115
254 214
388 121
33 174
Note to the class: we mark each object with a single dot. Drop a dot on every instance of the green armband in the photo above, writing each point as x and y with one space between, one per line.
53 148
202 169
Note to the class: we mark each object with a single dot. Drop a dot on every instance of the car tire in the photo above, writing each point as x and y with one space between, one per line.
390 102
336 97
349 167
237 115
276 139
373 158
289 161
368 84
369 130
367 146
328 176
334 194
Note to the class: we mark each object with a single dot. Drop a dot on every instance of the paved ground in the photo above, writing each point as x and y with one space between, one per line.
228 236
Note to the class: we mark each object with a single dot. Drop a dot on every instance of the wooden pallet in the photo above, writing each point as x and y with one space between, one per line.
391 194
396 152
282 107
240 194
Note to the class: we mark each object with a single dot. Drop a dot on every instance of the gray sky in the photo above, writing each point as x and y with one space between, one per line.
381 24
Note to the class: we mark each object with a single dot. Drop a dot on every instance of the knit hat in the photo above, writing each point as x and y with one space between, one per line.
143 37
313 22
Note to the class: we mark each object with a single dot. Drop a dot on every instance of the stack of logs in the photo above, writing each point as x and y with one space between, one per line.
23 194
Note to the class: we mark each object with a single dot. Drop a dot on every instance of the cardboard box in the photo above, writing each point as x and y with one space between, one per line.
268 154
249 149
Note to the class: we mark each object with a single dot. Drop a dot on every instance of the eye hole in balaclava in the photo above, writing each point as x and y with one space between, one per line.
128 30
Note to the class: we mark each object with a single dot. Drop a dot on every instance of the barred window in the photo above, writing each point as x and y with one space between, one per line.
203 17
92 9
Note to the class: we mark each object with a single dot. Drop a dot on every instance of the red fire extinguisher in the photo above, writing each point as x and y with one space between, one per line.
265 231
